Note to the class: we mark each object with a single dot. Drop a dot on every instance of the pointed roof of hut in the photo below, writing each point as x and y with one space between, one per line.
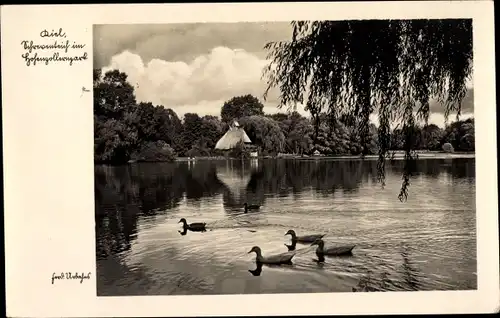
232 137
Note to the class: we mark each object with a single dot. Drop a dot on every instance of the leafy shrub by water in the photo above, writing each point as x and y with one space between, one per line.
154 152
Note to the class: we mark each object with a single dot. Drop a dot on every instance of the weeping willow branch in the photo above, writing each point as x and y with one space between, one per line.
409 144
391 68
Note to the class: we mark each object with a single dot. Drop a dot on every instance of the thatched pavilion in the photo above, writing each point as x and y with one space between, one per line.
232 137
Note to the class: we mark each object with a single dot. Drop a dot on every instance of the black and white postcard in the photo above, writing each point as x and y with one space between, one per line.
250 159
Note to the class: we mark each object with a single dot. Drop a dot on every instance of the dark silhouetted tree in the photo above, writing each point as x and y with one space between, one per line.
241 106
125 130
191 131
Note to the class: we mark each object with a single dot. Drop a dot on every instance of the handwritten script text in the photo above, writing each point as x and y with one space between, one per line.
70 276
55 48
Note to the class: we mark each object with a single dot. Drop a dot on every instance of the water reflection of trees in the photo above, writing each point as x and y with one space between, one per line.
292 177
459 168
285 177
124 193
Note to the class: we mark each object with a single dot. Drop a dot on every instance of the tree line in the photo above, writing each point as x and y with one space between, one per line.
125 129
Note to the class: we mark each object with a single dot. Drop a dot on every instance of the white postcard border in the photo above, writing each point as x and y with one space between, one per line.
49 171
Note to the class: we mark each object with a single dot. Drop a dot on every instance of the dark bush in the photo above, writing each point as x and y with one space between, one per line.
154 151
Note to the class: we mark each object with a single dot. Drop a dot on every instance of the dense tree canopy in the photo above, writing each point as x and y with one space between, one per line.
265 133
241 106
113 99
125 129
209 130
297 131
391 68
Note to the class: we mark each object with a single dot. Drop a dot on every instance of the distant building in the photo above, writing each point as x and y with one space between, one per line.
232 137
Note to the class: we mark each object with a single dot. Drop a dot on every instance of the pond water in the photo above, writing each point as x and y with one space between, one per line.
425 243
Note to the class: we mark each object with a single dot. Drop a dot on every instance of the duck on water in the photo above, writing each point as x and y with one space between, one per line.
278 259
195 227
321 252
304 238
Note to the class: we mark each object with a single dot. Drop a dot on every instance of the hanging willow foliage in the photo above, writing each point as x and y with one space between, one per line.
387 67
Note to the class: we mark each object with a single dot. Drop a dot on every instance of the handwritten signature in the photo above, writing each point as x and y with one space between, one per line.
70 276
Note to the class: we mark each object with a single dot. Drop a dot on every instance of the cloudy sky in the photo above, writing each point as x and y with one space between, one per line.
196 67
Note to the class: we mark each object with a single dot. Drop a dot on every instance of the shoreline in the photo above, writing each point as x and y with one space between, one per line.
397 156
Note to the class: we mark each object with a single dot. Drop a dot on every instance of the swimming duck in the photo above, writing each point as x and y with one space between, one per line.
196 227
321 252
250 207
305 238
284 258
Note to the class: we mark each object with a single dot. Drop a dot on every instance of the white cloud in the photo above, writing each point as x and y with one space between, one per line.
203 84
